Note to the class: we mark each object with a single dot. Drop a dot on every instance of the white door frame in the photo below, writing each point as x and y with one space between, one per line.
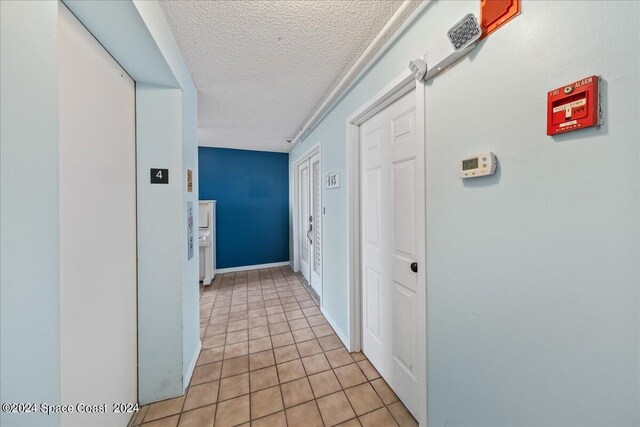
398 87
132 50
315 149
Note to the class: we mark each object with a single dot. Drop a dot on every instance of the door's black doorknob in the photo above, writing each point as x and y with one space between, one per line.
414 267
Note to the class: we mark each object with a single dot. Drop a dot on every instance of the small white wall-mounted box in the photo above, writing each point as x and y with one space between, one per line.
481 164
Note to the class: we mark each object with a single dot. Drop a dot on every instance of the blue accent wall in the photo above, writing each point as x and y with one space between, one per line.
252 191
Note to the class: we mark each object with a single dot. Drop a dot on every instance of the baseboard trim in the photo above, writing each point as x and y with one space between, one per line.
343 337
252 267
187 379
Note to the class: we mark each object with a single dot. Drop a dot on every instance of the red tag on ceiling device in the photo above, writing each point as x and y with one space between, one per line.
496 13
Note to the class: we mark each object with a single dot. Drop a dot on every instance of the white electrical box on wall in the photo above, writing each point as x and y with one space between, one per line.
481 164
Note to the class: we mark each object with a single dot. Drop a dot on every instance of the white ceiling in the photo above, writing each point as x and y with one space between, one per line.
263 67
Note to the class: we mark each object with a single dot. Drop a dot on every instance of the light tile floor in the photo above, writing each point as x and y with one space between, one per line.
269 358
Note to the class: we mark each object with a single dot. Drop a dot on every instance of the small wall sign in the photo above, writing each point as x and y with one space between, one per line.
332 180
159 176
189 181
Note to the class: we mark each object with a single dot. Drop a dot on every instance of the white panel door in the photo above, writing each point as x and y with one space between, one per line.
392 240
97 161
316 223
304 212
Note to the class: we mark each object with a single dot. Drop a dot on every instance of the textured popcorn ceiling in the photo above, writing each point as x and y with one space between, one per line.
263 67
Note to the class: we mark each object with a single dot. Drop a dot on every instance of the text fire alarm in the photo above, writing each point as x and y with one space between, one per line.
574 106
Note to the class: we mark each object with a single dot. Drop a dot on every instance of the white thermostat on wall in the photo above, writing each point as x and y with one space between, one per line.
481 164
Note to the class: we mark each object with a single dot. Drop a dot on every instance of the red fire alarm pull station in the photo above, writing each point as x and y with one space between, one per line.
574 106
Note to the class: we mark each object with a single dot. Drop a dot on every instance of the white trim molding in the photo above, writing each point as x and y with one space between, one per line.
397 88
339 332
252 267
192 367
406 14
296 185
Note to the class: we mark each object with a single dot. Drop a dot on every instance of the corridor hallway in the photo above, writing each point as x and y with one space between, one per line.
270 358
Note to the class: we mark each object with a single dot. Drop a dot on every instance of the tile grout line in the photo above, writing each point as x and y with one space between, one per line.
241 293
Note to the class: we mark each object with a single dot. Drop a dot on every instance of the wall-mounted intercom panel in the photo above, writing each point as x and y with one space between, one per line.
574 106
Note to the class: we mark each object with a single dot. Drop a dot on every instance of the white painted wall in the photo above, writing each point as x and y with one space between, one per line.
532 274
535 319
29 237
160 242
191 267
158 27
97 163
140 40
163 36
137 35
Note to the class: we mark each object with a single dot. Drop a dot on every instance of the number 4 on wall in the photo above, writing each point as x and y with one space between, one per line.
159 176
